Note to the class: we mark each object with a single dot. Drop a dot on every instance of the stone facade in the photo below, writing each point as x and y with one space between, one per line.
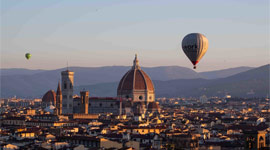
135 96
98 105
67 91
136 91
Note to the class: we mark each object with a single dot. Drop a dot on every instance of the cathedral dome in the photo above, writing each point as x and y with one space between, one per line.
135 79
49 97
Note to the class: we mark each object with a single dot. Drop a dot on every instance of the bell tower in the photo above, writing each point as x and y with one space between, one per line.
67 91
84 101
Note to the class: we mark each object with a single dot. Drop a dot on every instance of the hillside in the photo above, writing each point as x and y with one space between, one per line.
22 84
223 73
252 83
170 81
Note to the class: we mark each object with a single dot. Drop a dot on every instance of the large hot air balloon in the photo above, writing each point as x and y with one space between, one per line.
28 56
195 46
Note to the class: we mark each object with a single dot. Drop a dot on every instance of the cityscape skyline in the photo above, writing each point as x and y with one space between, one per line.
110 33
69 78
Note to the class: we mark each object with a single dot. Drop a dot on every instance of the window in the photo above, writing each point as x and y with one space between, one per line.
70 105
70 86
89 104
127 96
100 104
65 85
70 96
111 104
150 97
64 96
140 97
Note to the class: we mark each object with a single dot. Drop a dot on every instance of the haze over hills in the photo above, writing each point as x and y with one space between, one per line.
169 81
224 73
252 83
18 71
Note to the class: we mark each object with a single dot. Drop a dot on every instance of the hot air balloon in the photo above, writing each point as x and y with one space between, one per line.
195 46
27 56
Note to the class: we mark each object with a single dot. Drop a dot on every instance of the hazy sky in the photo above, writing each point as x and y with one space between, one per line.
93 33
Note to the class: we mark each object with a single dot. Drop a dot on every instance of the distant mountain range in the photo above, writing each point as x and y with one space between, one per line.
169 81
224 73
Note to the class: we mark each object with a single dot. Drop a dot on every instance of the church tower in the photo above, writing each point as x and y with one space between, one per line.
84 101
58 100
67 91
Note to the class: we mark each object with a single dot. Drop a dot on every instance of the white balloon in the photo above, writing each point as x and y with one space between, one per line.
195 46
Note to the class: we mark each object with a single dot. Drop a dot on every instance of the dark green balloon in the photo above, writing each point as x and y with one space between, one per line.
28 56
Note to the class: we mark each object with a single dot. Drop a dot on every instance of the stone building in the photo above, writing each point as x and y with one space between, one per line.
48 99
97 105
137 85
135 96
254 139
67 91
136 91
59 101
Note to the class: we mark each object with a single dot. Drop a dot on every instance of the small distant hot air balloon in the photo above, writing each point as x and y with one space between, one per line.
27 56
195 46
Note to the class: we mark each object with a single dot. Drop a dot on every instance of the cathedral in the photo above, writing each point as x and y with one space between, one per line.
136 92
135 96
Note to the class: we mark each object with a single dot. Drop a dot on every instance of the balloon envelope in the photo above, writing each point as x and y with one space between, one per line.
27 55
195 46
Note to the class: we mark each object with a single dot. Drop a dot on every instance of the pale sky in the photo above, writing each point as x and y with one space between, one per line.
92 33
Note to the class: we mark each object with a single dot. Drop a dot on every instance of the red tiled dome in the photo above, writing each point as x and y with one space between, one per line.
135 79
50 96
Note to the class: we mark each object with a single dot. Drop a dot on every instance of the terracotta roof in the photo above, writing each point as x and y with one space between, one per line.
50 96
102 98
143 127
135 79
112 135
15 118
86 138
153 105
